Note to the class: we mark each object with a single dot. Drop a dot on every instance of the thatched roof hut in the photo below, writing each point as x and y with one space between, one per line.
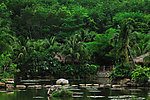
64 58
140 59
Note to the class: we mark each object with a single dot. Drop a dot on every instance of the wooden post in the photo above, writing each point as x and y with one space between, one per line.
104 68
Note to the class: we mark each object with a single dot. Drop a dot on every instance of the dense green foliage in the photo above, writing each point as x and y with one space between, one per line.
141 74
84 32
121 71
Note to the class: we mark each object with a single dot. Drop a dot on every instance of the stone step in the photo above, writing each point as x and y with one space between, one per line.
9 82
20 86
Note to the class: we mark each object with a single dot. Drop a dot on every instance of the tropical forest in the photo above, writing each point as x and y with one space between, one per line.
74 39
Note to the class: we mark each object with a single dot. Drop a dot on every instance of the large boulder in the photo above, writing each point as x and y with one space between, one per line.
62 82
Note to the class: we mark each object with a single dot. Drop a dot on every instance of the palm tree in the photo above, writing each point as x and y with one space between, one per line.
75 49
7 42
142 45
125 41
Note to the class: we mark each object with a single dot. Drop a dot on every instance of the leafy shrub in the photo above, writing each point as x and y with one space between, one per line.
3 80
76 71
92 69
62 93
121 71
82 71
67 71
141 74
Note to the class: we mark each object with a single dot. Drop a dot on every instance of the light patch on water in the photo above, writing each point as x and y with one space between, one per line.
135 90
77 96
19 90
3 91
38 97
116 89
78 93
95 96
122 97
140 98
94 91
74 89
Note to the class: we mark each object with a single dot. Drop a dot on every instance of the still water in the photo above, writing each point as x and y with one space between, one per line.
88 93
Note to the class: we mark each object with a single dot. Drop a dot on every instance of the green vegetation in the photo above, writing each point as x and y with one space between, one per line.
81 33
121 71
62 93
141 74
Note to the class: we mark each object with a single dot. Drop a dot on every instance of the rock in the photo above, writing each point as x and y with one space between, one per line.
107 85
20 86
2 84
57 85
124 81
74 85
96 84
10 93
30 86
10 82
35 86
124 85
129 83
133 84
102 86
88 84
62 82
47 86
59 92
116 86
9 85
10 79
82 85
149 80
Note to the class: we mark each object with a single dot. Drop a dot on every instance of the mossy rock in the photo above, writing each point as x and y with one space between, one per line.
62 93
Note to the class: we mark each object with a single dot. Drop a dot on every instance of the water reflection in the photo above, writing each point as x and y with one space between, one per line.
79 94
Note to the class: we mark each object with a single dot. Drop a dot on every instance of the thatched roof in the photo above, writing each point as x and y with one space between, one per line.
140 58
64 58
60 57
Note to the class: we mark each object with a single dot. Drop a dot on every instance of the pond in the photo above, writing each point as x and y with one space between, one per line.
88 93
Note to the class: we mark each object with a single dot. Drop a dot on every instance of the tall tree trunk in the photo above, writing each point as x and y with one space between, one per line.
134 66
126 55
